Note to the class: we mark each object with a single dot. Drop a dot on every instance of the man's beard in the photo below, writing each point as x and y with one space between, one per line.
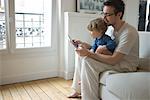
110 24
107 22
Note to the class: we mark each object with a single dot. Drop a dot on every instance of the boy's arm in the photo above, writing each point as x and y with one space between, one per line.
103 50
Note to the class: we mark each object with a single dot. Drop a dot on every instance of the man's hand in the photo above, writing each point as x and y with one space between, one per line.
82 44
81 51
85 45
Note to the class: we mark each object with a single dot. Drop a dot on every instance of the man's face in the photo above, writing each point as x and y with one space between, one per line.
109 15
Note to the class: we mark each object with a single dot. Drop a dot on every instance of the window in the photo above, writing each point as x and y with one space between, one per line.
2 26
32 24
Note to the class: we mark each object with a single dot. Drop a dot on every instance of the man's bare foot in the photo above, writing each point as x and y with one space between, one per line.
75 95
79 82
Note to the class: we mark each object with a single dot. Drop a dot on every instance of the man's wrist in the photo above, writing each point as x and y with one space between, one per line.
89 54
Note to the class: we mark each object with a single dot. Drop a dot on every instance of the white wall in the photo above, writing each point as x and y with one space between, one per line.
23 67
66 5
131 12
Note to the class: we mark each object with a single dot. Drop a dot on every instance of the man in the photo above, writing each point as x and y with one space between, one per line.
124 58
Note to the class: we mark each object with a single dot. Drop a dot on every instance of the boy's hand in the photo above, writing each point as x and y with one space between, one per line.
103 50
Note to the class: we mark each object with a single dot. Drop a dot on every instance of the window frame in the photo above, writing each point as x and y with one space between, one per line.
11 31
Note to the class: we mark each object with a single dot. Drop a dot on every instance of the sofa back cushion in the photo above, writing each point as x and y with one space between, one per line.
144 51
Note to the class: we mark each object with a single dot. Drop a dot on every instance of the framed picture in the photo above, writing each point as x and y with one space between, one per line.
90 6
144 16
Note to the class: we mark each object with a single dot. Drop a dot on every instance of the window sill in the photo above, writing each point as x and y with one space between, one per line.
30 51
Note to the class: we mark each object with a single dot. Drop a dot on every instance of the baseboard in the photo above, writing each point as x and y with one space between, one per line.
61 74
66 75
28 77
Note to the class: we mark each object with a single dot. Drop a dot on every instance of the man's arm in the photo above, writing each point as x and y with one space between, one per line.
109 59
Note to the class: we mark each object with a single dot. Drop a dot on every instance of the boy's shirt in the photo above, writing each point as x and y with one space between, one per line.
104 40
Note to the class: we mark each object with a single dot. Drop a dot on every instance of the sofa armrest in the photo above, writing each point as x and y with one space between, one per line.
103 76
129 86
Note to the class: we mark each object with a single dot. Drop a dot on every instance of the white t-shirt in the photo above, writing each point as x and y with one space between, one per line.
127 39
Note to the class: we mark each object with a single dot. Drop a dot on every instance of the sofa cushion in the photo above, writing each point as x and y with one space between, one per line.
144 64
105 74
129 86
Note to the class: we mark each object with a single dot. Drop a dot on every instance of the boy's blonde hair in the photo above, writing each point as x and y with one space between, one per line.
98 25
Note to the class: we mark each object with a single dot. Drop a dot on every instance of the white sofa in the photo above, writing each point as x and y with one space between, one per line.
129 86
125 86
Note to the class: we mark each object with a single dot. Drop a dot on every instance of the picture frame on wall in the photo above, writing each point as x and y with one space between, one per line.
90 6
144 16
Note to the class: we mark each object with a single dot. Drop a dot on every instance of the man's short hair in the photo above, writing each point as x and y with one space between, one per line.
119 5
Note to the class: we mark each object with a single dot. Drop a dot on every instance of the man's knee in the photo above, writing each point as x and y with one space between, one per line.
87 62
87 59
90 61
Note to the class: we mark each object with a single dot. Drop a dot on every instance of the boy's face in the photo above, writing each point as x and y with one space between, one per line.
95 34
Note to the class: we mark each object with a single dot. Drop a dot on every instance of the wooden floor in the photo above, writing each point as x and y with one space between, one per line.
46 89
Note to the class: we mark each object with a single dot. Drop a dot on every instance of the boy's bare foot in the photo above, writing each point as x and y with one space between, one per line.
75 95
